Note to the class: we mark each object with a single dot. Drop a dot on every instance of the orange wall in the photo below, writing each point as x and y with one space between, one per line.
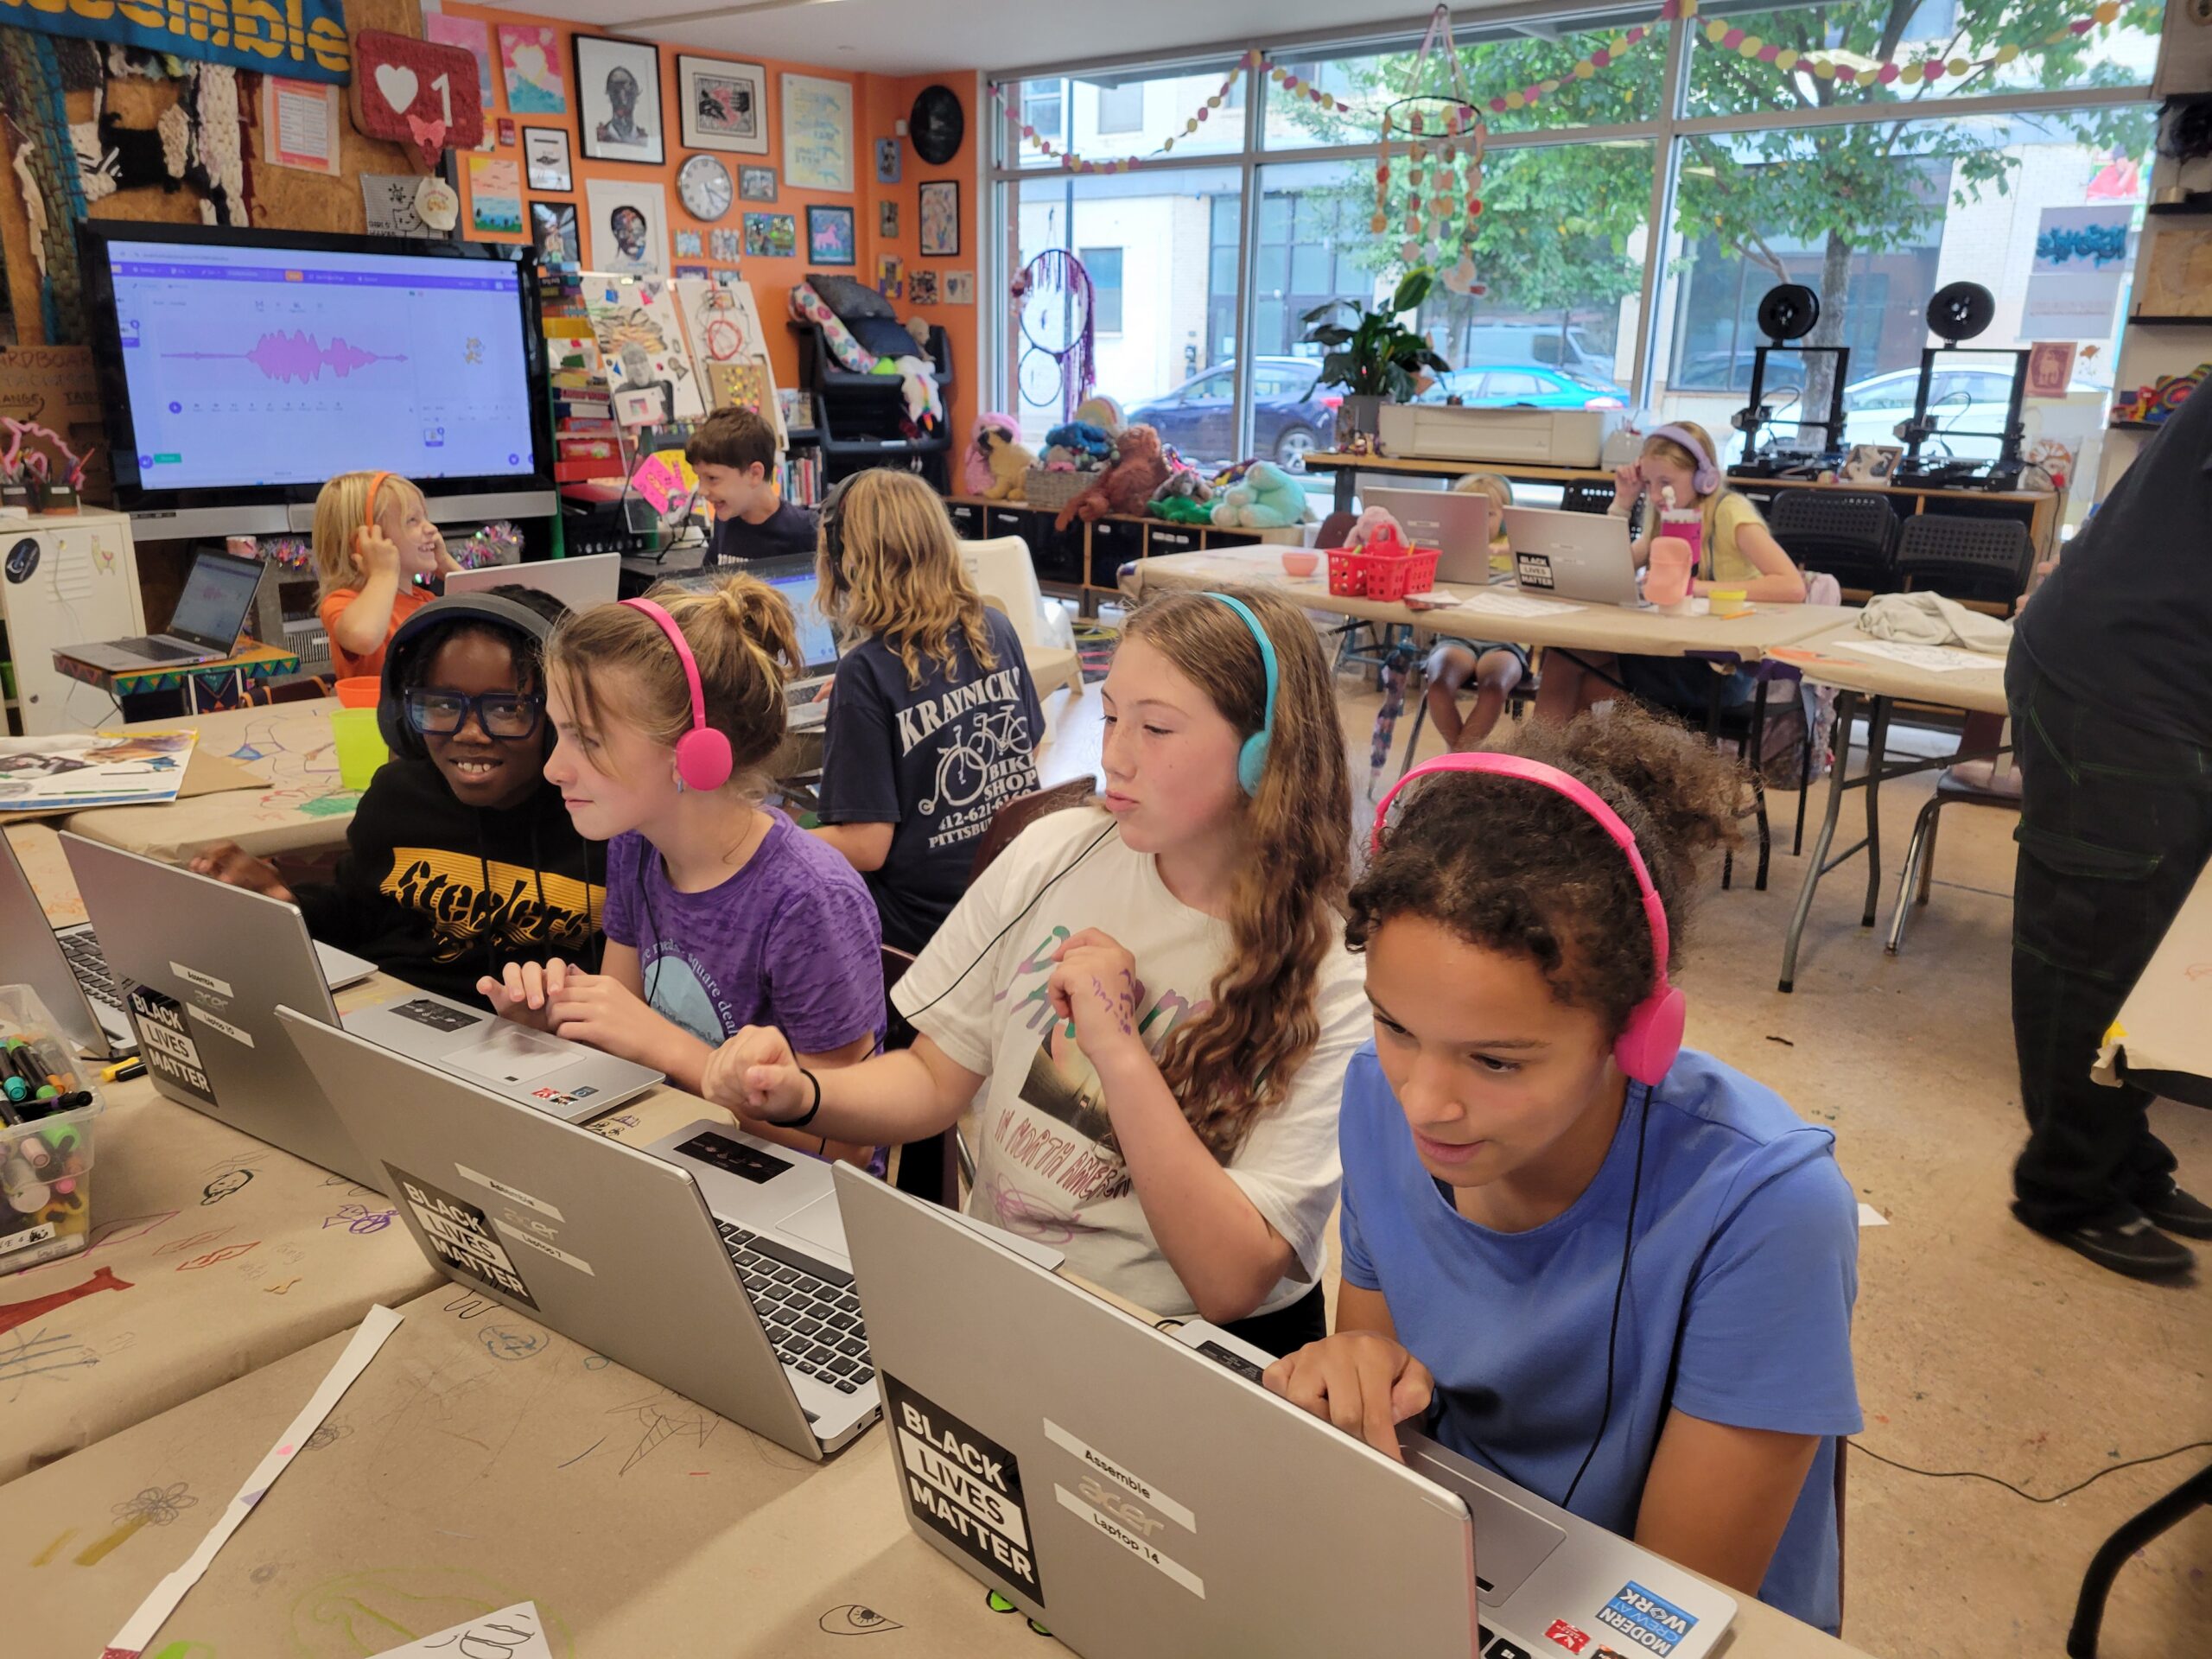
878 101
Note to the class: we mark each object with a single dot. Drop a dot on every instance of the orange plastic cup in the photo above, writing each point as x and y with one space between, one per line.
362 692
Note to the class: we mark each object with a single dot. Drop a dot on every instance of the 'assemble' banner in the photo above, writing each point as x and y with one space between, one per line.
304 39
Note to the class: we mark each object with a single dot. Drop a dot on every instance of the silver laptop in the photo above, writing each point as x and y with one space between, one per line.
1143 1496
1580 556
219 591
578 583
612 1247
228 956
795 579
65 967
1455 524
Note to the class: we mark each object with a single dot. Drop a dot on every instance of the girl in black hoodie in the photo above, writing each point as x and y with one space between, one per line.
460 857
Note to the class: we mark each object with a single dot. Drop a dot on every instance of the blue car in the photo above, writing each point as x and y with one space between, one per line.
1292 416
1529 385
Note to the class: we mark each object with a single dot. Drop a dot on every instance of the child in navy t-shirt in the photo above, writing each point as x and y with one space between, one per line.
933 719
1633 1298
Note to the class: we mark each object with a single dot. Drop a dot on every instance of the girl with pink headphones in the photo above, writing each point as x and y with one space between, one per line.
1679 468
720 915
1615 1270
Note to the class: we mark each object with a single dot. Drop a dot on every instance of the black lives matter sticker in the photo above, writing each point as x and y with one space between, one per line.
462 1237
965 1485
167 1047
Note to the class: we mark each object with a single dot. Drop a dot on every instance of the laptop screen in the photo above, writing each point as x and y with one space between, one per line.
817 641
217 591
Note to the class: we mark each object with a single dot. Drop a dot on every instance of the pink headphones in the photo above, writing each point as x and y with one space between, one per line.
703 756
1653 1037
1706 479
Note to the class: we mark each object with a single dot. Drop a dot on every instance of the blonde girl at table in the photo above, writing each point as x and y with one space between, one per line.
374 545
1678 468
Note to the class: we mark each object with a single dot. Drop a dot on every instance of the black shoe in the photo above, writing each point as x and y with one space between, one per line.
2126 1242
2176 1212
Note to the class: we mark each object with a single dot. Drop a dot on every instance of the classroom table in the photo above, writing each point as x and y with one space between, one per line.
226 677
304 810
211 1254
1836 660
481 1461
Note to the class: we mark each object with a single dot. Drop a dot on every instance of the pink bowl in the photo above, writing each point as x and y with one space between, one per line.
1300 562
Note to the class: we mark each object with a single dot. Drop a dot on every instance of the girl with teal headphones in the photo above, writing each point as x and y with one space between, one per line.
1151 993
1614 1269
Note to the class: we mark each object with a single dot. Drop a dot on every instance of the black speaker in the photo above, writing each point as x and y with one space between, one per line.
1789 311
1959 311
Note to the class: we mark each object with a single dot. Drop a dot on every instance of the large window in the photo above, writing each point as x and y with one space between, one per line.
1874 151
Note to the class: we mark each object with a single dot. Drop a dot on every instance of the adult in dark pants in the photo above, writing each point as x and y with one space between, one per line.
2110 684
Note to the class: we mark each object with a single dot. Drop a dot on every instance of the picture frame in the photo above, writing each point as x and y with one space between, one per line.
817 126
619 114
722 104
771 236
546 160
940 219
756 184
554 232
887 221
891 276
627 227
831 238
890 161
530 61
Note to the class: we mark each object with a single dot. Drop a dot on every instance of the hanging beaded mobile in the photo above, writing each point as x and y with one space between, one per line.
1443 138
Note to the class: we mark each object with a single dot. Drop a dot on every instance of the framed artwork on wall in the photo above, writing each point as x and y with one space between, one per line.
817 133
829 236
941 220
618 100
724 105
545 155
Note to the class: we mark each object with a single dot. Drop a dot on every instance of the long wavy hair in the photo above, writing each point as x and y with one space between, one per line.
897 575
741 636
1239 1058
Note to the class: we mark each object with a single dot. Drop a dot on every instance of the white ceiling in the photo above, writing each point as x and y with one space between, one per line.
902 37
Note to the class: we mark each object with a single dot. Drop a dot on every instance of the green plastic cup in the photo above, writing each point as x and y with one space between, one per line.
360 746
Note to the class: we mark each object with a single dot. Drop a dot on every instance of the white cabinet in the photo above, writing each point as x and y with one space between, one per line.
65 581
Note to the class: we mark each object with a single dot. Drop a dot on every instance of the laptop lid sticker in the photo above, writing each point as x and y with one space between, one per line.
460 1235
963 1485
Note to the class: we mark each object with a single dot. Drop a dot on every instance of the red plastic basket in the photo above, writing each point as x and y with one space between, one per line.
1382 571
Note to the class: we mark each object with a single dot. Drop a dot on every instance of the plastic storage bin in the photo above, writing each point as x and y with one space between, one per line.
45 1155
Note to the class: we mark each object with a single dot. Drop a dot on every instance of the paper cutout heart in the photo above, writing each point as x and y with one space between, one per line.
398 86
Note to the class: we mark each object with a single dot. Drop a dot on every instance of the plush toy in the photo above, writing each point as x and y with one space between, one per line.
975 475
1102 411
1183 484
1086 446
1373 520
1180 510
1266 497
1127 486
1011 460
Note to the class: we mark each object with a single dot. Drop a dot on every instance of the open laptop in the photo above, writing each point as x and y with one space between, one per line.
64 966
226 956
218 592
796 580
1144 1496
1457 525
614 1248
578 583
1579 555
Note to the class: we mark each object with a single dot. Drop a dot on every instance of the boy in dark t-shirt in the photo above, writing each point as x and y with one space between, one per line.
734 452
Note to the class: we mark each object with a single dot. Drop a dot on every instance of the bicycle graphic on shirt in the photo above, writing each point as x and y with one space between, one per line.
964 768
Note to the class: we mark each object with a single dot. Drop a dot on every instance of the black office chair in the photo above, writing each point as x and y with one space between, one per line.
1850 534
1987 559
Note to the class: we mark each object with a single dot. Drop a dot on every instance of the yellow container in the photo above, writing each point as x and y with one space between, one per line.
360 746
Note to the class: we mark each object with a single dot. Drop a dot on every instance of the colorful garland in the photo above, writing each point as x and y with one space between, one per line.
1906 72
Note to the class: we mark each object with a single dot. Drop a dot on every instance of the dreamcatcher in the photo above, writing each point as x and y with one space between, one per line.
1441 167
1052 319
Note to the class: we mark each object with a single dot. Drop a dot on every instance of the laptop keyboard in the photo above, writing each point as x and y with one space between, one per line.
151 648
1490 1646
811 1311
82 952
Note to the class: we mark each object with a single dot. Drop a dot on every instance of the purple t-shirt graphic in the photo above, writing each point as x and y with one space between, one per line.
791 941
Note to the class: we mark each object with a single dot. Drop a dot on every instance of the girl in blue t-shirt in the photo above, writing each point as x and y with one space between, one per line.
1618 1275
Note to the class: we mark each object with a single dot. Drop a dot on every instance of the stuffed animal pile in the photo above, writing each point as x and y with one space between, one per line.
1266 497
1126 485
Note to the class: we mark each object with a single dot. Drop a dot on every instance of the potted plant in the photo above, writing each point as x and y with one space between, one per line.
1377 358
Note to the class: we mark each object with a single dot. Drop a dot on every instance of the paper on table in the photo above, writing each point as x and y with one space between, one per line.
131 1640
1869 1216
1938 659
1501 604
515 1632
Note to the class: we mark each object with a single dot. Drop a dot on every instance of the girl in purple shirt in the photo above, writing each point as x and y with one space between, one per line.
719 914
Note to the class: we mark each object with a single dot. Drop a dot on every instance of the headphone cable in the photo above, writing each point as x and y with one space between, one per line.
983 954
1620 1289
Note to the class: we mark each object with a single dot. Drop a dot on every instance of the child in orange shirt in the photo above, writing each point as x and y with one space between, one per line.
373 537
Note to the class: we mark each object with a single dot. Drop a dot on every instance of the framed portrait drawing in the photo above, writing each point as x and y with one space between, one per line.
618 100
723 105
941 220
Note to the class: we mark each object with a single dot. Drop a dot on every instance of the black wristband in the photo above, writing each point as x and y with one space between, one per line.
800 1122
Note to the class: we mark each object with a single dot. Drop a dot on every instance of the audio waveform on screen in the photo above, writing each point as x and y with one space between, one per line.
297 356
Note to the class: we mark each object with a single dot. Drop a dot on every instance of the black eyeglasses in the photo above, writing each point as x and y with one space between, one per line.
506 716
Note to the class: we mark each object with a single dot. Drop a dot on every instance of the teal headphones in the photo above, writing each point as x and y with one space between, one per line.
1252 759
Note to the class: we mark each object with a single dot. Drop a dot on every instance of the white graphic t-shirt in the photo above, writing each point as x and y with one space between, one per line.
1040 1170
